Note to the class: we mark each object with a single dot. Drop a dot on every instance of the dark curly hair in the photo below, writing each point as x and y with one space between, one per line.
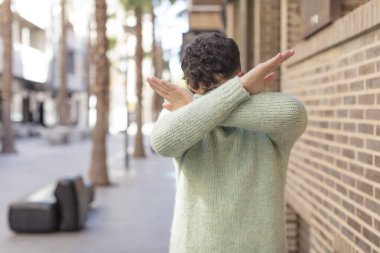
209 56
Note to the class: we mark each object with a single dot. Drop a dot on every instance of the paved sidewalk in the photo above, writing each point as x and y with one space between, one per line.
132 216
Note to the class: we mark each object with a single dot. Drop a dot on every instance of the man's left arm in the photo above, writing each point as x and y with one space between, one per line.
281 116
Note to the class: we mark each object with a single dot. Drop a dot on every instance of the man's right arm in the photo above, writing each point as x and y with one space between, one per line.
177 131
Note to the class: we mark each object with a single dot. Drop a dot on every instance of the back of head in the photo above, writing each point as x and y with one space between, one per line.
210 59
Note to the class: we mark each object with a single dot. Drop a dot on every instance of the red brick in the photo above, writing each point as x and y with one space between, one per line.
340 213
342 139
329 182
356 197
372 205
342 113
364 216
347 233
356 113
356 169
365 158
349 180
358 85
349 100
367 99
358 142
341 164
363 245
376 224
377 161
373 145
358 57
343 62
337 76
334 197
377 194
373 175
373 52
348 153
349 207
350 73
373 83
342 87
341 189
365 128
367 68
350 127
353 224
371 237
364 187
336 101
373 114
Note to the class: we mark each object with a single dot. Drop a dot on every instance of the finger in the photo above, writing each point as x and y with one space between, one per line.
279 58
158 90
287 54
155 85
164 85
270 77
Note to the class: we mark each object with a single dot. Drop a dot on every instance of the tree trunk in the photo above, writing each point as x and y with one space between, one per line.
157 100
6 95
139 144
98 171
63 110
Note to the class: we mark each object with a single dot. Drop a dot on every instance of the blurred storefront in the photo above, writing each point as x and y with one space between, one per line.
31 69
35 69
333 178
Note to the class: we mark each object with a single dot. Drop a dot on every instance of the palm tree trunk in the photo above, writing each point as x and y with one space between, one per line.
6 95
98 170
157 100
63 110
139 145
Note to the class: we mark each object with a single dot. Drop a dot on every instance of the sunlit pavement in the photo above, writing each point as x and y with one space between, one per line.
132 216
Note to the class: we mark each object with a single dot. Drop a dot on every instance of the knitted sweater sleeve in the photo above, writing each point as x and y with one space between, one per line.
177 131
282 117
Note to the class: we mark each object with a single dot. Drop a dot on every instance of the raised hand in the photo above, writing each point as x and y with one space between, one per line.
176 96
254 81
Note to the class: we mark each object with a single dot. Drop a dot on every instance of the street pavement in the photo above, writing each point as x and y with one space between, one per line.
133 215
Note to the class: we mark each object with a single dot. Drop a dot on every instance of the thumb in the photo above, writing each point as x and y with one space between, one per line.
168 106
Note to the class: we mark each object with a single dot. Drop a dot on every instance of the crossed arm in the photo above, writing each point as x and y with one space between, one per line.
280 116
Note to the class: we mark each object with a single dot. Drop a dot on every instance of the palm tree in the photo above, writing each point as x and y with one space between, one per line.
157 61
138 6
157 100
98 170
6 95
63 110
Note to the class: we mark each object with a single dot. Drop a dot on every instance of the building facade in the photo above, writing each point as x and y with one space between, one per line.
36 72
30 70
333 186
333 177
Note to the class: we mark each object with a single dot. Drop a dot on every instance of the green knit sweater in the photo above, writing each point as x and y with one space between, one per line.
231 152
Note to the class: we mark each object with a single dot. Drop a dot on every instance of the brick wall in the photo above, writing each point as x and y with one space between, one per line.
350 5
334 171
294 22
258 36
269 34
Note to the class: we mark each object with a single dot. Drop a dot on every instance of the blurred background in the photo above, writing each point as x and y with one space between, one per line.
74 101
